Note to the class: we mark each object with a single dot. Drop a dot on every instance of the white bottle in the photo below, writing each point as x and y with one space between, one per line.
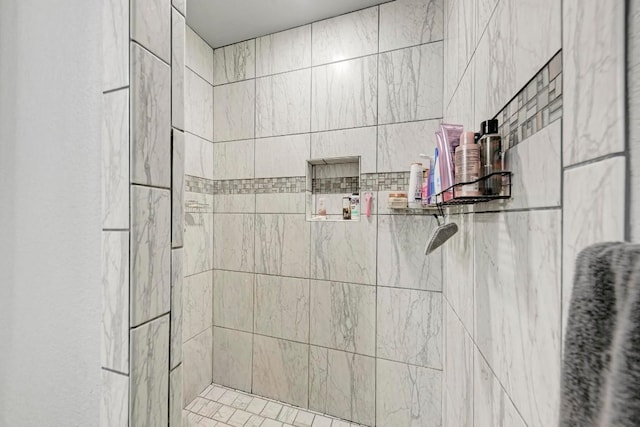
355 206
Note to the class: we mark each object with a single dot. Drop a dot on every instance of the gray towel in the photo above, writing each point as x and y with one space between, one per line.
601 367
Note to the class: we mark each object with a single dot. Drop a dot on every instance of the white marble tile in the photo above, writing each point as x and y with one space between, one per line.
401 258
114 400
198 156
492 406
234 203
281 370
347 143
198 55
344 94
151 26
594 80
589 217
504 66
410 326
150 263
234 62
115 44
180 5
177 313
344 251
197 296
284 51
150 119
198 106
233 242
459 101
342 384
233 160
232 353
115 159
343 316
282 307
175 397
177 189
198 241
458 270
287 203
457 381
517 307
633 118
282 156
407 395
459 42
233 300
197 365
345 36
149 387
283 103
234 111
115 301
282 244
401 144
410 22
177 69
484 10
410 84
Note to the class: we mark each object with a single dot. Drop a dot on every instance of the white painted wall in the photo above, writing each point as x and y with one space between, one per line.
49 212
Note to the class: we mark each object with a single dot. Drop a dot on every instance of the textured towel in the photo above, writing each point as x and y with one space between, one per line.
601 368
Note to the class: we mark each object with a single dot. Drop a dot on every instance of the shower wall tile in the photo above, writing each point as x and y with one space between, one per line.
284 51
343 316
409 23
457 374
282 307
198 301
177 69
234 62
410 84
458 270
150 253
149 387
198 112
233 242
115 160
114 401
150 119
282 244
180 5
460 105
281 370
197 365
593 74
410 326
347 143
401 144
232 353
484 10
459 43
234 203
177 312
344 251
115 44
408 395
151 26
175 397
287 203
198 56
401 259
518 300
233 160
198 242
233 300
342 384
282 156
283 103
198 156
345 36
115 301
591 216
344 94
234 111
177 190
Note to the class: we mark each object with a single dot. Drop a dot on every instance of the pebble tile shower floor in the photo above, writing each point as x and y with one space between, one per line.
219 406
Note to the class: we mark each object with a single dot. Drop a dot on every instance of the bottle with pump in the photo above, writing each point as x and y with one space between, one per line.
491 157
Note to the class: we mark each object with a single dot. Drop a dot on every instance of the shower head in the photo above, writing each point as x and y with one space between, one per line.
440 235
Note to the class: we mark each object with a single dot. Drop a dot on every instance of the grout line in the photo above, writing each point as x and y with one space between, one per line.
153 187
595 160
113 371
136 43
197 74
108 91
146 322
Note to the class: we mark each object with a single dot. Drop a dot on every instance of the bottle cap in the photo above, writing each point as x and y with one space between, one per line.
489 127
468 138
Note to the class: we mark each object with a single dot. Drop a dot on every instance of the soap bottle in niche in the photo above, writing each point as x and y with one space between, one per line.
346 207
491 158
355 206
322 209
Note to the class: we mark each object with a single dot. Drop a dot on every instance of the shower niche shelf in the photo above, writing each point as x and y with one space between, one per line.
328 181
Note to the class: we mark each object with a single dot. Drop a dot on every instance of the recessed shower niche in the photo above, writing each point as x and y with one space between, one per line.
333 189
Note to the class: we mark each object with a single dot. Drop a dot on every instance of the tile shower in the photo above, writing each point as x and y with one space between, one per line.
351 320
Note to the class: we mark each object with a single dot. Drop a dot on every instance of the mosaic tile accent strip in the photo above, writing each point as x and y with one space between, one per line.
346 184
536 106
294 184
194 184
389 181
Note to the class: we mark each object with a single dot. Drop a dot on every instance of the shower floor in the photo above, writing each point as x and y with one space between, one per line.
220 406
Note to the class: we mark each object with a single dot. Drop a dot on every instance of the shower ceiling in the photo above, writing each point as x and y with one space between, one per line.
222 22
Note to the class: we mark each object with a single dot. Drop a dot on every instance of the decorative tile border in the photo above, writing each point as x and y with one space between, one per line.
194 184
388 181
347 184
